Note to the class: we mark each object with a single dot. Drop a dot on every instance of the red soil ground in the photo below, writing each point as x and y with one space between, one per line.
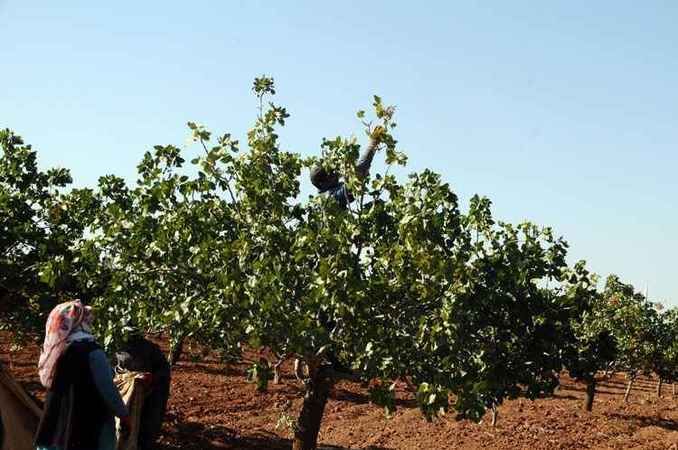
213 407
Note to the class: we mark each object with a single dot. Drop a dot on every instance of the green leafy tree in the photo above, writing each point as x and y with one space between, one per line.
588 342
167 247
634 324
41 226
399 284
500 317
668 368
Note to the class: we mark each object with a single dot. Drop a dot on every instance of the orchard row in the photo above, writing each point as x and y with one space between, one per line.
401 285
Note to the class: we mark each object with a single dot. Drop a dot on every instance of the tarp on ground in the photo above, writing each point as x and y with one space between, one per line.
133 392
19 415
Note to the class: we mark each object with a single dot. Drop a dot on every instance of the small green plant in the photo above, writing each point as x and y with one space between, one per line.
260 373
384 395
286 422
432 400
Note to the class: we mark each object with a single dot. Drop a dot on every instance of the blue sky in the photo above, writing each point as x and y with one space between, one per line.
563 113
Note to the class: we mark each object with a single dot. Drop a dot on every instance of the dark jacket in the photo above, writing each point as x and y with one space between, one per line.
75 411
329 182
141 355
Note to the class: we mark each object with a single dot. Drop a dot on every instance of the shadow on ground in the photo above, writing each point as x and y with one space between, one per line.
360 399
210 369
645 421
195 436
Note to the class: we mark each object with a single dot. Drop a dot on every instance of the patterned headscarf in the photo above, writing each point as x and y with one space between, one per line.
67 323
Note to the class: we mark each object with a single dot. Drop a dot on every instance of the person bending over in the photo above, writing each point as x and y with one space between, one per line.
141 355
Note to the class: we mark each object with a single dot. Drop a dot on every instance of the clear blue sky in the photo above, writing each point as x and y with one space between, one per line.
564 113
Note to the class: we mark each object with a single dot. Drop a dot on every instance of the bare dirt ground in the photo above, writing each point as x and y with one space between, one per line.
213 407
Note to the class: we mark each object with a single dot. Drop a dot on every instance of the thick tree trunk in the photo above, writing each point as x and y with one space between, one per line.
176 350
308 424
660 383
673 385
628 389
590 394
495 415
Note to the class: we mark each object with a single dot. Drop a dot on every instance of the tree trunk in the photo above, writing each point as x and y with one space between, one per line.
176 349
556 379
495 415
276 367
628 389
300 369
308 423
590 394
673 385
660 383
276 371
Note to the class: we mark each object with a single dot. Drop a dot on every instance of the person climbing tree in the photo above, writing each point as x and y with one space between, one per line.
329 182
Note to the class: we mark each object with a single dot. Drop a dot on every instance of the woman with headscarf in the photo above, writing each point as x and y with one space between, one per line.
81 398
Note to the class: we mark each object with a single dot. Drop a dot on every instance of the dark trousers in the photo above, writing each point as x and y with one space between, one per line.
152 415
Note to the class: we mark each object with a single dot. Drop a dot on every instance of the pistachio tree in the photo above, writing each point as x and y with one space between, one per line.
399 284
668 368
307 266
634 324
500 320
42 222
166 246
588 342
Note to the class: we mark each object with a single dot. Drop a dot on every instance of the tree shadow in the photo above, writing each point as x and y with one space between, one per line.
565 397
361 399
609 392
645 421
210 369
613 383
195 436
292 389
600 390
343 395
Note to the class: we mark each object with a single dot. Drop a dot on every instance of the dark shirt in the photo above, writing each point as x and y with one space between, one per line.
337 189
142 355
341 194
80 400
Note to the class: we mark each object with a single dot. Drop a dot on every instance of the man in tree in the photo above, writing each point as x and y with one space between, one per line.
141 355
330 182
